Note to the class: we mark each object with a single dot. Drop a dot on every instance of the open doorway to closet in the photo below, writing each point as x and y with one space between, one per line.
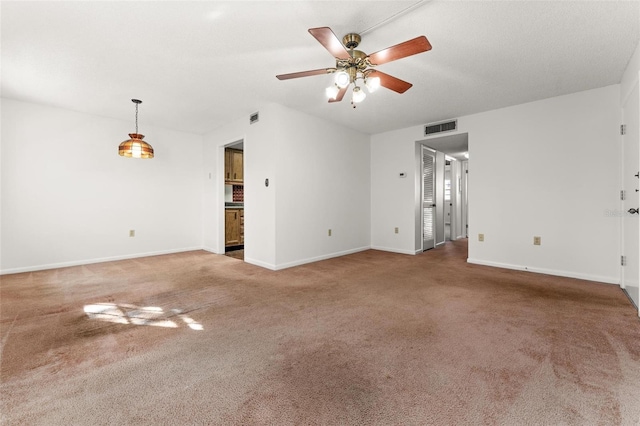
234 200
444 206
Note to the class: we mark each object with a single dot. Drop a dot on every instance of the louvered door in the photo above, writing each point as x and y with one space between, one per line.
428 199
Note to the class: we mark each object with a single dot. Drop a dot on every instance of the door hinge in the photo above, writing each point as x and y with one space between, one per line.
622 195
623 129
623 260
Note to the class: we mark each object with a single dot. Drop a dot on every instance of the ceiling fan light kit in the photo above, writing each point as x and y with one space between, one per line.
372 83
342 79
358 95
353 65
332 91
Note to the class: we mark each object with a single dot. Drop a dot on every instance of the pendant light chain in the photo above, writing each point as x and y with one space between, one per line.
137 117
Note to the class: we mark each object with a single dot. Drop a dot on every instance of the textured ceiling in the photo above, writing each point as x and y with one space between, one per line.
198 65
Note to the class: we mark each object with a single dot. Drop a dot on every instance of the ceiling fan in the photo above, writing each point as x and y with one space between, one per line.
353 65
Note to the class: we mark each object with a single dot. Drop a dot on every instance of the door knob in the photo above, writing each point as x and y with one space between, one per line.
634 211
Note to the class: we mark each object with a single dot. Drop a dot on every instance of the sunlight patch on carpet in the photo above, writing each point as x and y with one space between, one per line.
137 315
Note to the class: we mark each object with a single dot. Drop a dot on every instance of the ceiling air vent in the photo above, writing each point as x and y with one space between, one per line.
445 126
253 118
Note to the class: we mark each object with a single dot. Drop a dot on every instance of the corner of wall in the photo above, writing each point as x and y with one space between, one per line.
630 76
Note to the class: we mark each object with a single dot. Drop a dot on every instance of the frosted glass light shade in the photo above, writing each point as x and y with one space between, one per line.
358 95
135 147
342 79
373 83
332 91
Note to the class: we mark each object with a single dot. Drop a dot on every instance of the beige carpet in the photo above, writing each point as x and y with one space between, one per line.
369 338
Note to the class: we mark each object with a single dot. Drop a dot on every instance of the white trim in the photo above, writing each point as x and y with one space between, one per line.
220 189
319 258
260 264
395 250
97 260
210 250
567 274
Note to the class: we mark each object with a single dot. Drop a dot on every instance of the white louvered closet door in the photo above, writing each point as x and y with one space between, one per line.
428 199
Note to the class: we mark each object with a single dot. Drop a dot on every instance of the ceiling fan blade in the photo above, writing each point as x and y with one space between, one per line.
328 39
391 82
304 73
340 95
399 51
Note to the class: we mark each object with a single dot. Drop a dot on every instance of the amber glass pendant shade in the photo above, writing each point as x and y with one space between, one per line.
135 147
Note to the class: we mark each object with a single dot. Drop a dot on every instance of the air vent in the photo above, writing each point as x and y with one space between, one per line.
445 126
253 118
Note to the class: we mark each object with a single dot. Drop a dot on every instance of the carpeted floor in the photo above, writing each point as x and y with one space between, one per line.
370 338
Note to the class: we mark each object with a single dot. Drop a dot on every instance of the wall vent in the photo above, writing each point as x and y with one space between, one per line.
445 126
253 118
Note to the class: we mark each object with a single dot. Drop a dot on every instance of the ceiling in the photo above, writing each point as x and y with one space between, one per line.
198 65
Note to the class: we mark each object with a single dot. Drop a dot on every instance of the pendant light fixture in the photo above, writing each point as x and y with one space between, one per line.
136 147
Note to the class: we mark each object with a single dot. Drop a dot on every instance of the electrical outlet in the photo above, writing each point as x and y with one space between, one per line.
132 232
480 237
537 241
329 233
396 230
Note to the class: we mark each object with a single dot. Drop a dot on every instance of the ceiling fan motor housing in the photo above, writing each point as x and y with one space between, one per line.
351 40
356 63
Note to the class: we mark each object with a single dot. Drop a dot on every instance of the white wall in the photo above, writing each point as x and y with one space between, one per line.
548 168
260 155
393 198
323 183
630 76
68 198
318 179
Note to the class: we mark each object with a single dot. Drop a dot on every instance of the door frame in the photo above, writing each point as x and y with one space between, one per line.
625 238
220 190
464 196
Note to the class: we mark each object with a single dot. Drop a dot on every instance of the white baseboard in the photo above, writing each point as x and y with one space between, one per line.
319 258
396 250
210 250
96 260
161 252
260 263
555 272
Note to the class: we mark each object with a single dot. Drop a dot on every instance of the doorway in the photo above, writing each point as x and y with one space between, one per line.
234 200
444 210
